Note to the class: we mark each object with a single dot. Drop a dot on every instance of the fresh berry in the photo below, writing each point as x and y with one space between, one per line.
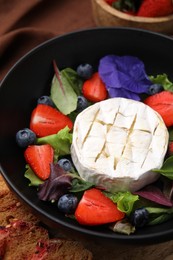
110 1
46 100
153 8
170 148
94 89
46 120
82 103
67 203
25 137
139 217
39 158
96 209
85 71
65 164
163 104
154 89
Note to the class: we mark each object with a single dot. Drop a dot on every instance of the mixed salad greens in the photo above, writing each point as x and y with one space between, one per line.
72 90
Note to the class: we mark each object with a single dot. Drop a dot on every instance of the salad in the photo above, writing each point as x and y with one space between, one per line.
53 159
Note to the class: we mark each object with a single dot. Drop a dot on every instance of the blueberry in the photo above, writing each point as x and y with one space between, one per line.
82 103
25 137
139 217
154 89
65 164
67 203
46 100
85 70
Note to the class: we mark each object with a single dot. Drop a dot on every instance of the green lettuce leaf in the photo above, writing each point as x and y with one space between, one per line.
32 177
61 142
73 79
78 185
124 200
62 92
163 80
171 134
159 215
167 168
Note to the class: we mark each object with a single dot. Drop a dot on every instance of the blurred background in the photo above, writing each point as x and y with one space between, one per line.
25 24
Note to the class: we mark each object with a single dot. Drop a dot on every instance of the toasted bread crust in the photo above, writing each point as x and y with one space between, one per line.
22 237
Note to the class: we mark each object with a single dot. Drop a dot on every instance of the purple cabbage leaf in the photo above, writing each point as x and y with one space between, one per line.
57 185
157 195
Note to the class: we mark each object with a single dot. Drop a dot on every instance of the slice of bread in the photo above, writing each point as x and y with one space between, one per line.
10 207
60 249
22 237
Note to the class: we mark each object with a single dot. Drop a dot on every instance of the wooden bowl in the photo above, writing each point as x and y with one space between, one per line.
105 15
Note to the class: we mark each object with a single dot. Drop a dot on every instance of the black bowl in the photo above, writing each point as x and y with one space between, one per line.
30 78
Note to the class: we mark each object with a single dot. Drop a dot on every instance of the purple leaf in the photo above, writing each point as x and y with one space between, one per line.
154 194
168 188
124 74
58 184
57 73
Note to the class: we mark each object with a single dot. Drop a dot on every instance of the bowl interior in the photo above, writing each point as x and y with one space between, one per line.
30 78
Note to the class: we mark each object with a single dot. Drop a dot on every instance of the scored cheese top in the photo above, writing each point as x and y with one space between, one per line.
117 142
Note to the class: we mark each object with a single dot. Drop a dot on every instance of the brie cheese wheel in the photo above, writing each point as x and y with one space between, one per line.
117 142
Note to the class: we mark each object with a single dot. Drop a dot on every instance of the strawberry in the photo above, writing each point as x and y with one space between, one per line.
96 209
39 158
163 104
155 8
46 120
109 2
170 148
94 89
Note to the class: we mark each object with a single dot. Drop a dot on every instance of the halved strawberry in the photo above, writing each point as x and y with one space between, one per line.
153 8
94 89
46 120
96 209
39 158
163 104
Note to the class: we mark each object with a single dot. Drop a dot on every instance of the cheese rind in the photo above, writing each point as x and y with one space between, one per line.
117 142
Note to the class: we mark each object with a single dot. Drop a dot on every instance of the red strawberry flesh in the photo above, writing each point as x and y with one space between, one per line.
39 158
163 104
96 209
155 8
46 120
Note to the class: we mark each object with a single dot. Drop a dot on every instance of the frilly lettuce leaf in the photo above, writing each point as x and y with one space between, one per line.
61 142
124 200
30 175
163 80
